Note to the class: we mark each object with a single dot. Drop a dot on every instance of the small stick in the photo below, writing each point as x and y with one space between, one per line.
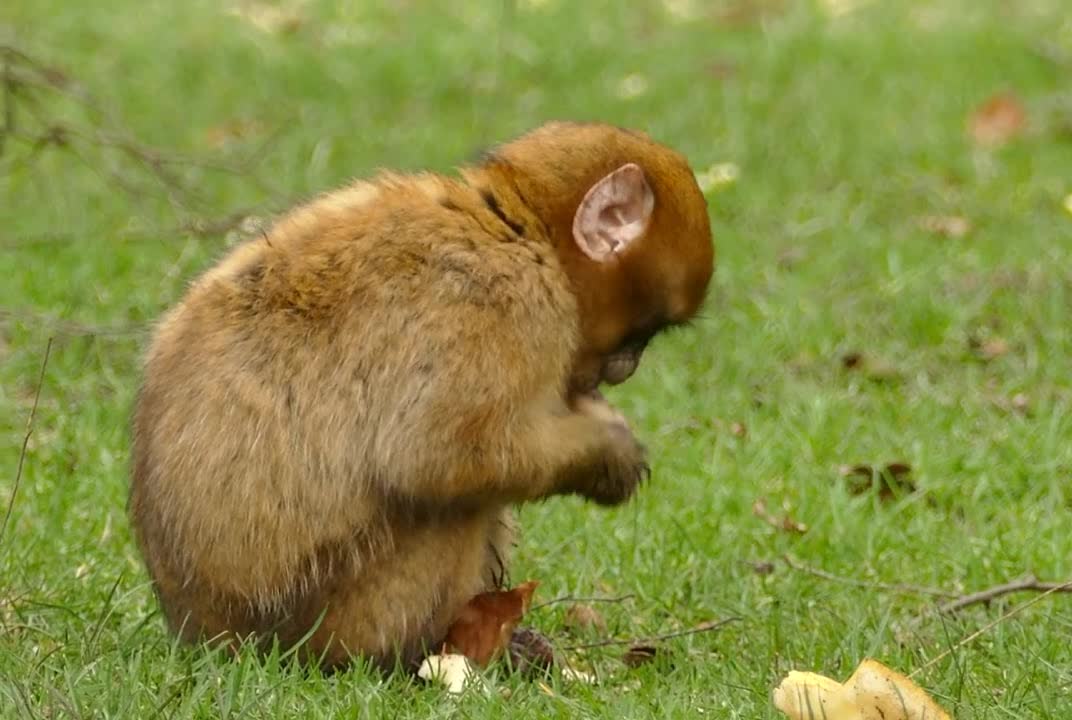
703 628
26 440
1030 582
889 587
1063 587
577 598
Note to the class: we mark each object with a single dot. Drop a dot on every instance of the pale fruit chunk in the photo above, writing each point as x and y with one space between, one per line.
885 694
874 692
808 696
453 671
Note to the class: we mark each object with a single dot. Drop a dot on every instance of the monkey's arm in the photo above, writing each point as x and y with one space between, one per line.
541 449
488 420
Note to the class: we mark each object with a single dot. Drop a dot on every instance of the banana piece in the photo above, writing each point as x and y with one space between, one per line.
874 692
808 696
884 693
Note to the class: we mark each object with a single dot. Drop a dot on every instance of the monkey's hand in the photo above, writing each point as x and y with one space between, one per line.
623 465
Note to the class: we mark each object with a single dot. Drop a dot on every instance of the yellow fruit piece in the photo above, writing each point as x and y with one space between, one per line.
808 696
885 694
874 692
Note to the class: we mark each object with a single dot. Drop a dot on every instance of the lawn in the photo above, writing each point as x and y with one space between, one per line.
889 290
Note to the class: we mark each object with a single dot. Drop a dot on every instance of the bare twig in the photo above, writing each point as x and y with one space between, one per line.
899 588
702 628
26 440
1063 587
67 328
580 599
9 103
1026 584
30 80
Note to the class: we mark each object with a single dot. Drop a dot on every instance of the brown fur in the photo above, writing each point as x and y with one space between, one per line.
337 417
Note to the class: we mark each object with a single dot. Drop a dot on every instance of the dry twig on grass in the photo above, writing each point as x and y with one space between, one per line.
1025 584
1054 588
101 142
582 599
26 440
652 639
899 588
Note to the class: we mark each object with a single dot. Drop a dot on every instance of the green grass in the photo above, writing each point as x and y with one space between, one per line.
846 131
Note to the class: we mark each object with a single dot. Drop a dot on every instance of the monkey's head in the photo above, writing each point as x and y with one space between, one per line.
631 228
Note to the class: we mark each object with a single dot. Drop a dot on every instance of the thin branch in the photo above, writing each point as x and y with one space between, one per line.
67 328
702 628
9 103
887 587
1029 583
1063 587
26 440
580 599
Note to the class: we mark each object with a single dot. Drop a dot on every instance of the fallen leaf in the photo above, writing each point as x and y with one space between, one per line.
762 568
1020 403
584 617
790 257
786 523
232 131
852 360
639 655
721 70
874 692
952 226
874 369
997 121
893 481
484 627
990 348
453 671
268 18
530 651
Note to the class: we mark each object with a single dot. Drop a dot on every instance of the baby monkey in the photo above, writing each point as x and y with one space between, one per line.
336 420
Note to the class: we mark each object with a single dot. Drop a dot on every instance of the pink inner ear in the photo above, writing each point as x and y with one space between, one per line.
614 212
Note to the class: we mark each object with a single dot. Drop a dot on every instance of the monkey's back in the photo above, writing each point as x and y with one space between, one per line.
295 403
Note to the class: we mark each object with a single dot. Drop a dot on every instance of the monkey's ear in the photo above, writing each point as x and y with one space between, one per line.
614 212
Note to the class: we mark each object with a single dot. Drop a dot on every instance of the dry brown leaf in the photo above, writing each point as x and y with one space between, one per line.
786 523
639 655
483 628
269 18
997 121
874 368
790 257
762 567
893 479
990 348
584 617
231 131
951 226
530 651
